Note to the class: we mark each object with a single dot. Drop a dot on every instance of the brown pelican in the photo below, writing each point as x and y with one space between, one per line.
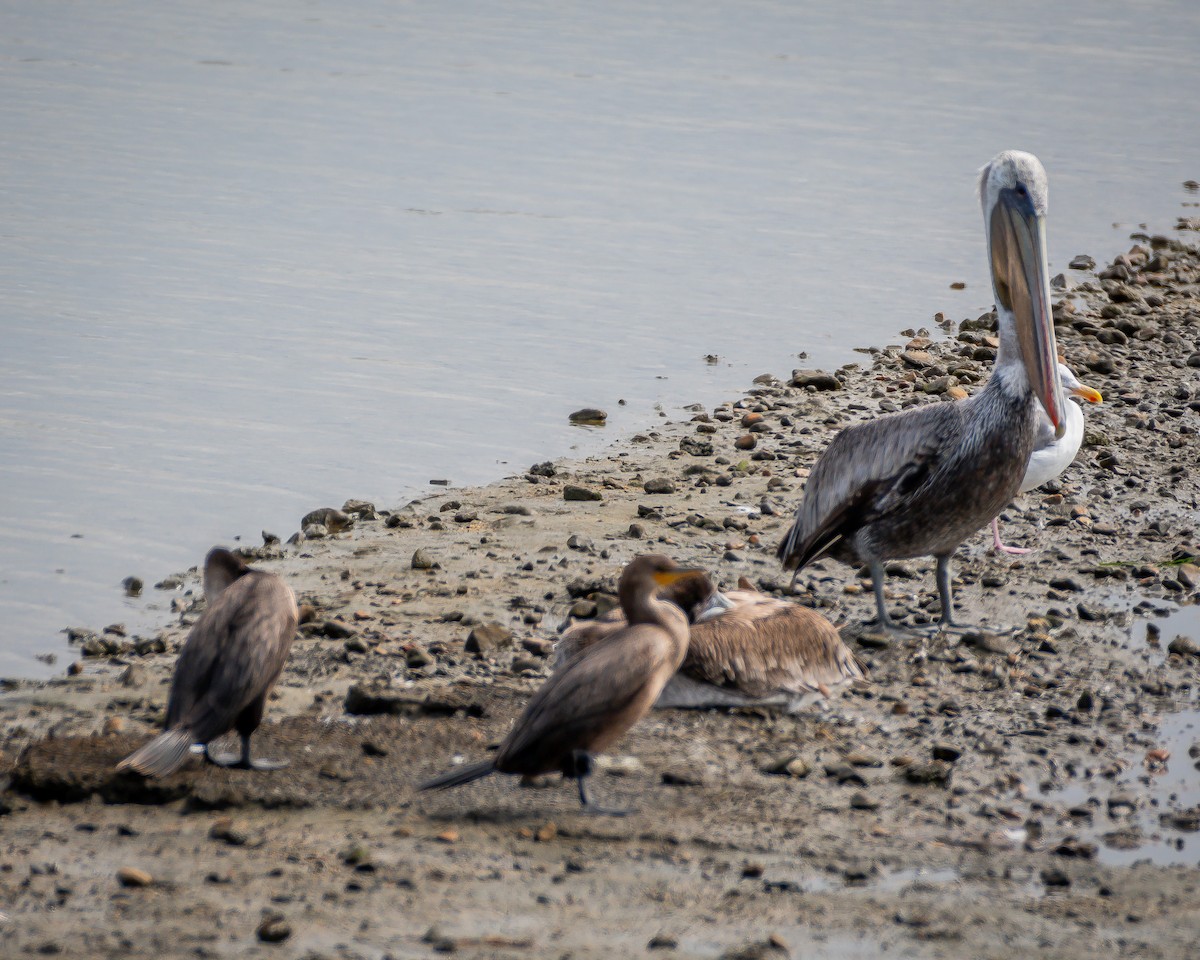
921 481
231 660
1052 456
600 693
744 649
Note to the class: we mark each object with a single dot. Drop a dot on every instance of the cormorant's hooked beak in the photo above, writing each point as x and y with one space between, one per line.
664 578
1022 281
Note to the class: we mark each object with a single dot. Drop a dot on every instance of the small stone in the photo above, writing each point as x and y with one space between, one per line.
747 441
789 766
683 778
362 509
538 646
860 801
422 561
696 448
466 516
936 773
448 836
134 676
416 657
1053 877
577 493
1184 647
227 832
133 877
487 638
590 416
658 485
1082 262
546 832
113 725
133 586
817 379
273 929
334 521
943 751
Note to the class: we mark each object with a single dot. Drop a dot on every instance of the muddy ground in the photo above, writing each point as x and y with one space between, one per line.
991 796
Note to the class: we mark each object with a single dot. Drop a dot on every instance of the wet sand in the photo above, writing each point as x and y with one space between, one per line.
992 796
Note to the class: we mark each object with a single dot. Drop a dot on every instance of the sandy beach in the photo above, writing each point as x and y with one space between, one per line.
991 796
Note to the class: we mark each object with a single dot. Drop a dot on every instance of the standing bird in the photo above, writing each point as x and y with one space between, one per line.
1051 457
921 481
601 692
231 660
745 649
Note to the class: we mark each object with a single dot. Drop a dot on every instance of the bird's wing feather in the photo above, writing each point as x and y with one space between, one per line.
866 472
794 650
249 634
577 702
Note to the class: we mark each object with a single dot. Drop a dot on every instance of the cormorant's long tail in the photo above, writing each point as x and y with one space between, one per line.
161 756
456 778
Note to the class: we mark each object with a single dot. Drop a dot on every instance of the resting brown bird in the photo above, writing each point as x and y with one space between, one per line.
231 660
599 694
745 649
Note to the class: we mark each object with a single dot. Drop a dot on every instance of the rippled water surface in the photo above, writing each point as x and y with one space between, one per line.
259 257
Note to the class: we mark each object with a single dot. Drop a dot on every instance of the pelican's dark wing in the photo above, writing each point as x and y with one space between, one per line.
868 471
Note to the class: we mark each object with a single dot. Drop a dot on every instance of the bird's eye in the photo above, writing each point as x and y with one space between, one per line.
1022 191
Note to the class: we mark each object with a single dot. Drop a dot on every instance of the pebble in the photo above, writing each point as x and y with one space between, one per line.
935 773
576 493
227 832
818 380
273 929
422 561
659 485
133 877
789 766
747 441
133 586
333 520
1184 647
487 638
592 416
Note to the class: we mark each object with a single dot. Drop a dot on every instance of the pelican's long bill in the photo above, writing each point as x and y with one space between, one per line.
1022 281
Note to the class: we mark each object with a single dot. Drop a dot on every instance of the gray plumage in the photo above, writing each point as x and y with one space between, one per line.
915 483
920 482
233 655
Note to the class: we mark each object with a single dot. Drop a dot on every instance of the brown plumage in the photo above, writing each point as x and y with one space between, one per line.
744 649
231 660
595 698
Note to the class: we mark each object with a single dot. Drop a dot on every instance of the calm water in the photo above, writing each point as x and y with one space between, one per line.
258 257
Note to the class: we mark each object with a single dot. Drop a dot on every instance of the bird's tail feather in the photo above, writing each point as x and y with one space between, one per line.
161 756
456 778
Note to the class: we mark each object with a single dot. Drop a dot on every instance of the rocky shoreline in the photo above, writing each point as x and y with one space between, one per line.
1029 793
